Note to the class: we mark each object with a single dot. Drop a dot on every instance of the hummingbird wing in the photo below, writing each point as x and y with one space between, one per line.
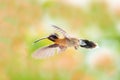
48 51
65 34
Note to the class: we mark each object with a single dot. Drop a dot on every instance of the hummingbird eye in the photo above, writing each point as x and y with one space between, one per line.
53 37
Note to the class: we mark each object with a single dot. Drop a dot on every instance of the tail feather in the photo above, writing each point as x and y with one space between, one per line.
87 44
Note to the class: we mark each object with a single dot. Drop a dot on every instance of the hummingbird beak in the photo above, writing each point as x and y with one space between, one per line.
39 40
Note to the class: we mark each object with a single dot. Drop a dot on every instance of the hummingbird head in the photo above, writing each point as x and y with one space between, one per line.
53 37
87 44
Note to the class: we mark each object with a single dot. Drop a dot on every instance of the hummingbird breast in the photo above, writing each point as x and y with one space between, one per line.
61 42
67 42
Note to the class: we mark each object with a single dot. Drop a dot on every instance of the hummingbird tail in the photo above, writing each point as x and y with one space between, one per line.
87 44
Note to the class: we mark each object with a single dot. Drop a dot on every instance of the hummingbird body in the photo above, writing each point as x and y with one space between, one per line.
68 42
61 44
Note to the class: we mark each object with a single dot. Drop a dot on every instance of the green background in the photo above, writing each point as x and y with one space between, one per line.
24 21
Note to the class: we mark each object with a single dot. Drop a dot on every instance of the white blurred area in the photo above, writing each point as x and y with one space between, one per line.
79 3
102 58
112 4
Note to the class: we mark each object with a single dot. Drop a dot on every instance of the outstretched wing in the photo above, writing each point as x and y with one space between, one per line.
65 34
48 51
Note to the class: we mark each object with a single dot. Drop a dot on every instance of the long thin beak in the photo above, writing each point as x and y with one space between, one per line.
39 40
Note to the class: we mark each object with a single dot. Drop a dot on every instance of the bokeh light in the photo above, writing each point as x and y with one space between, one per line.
24 21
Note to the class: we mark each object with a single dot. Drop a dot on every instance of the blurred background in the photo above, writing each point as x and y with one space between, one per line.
24 21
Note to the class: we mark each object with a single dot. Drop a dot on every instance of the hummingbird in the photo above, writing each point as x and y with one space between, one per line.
61 44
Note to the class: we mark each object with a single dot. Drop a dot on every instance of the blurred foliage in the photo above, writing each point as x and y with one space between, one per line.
24 21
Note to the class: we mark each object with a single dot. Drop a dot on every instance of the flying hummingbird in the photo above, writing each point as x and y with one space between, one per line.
61 44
